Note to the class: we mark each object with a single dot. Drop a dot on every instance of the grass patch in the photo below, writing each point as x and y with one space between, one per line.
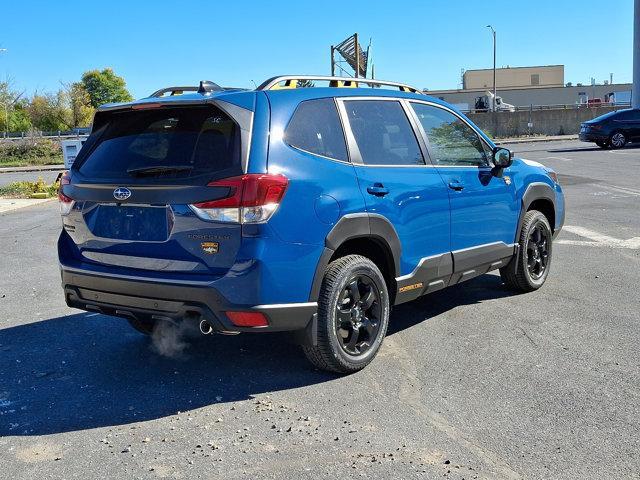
29 152
37 189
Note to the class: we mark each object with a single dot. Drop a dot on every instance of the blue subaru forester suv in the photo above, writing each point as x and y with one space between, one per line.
311 204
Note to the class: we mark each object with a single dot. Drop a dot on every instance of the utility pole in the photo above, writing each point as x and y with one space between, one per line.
635 94
494 65
6 106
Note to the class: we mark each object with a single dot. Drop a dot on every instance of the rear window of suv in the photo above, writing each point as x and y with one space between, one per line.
146 146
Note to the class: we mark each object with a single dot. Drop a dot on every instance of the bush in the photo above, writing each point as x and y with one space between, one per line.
24 152
39 189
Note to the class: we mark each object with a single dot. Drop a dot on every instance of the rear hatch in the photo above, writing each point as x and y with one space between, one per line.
130 199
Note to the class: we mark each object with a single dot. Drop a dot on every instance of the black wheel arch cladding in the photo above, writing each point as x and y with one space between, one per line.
353 226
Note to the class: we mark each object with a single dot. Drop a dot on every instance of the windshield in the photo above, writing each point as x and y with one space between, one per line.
146 146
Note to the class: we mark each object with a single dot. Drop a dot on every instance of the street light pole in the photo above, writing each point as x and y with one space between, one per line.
635 94
494 64
6 108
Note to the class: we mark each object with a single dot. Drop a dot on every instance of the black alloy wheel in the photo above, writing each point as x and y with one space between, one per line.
358 315
529 267
538 251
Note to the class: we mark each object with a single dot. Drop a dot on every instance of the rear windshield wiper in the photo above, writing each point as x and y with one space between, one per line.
158 170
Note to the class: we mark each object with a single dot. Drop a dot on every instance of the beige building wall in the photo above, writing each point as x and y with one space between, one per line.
543 76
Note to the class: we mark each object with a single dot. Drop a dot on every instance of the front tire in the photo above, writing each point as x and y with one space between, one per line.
353 315
529 268
617 140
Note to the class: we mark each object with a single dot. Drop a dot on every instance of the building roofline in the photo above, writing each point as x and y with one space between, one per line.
510 68
527 87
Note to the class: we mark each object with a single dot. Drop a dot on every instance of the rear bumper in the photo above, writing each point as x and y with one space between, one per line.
593 137
155 300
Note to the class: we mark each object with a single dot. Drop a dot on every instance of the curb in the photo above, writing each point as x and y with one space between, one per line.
502 141
34 168
8 205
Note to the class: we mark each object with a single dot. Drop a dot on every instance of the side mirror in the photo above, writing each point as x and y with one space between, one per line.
502 157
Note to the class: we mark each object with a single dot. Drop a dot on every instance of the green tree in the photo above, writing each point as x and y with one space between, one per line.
19 120
11 119
104 86
305 84
79 104
49 112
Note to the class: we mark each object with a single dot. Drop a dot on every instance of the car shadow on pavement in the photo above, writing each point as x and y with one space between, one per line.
87 370
480 289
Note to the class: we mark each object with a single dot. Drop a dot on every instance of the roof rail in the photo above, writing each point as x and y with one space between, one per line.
291 81
205 86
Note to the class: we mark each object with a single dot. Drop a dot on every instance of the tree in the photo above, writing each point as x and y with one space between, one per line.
49 113
79 104
104 86
305 84
10 101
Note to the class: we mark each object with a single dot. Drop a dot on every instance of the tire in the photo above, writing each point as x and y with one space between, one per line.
617 140
146 328
529 268
353 315
602 144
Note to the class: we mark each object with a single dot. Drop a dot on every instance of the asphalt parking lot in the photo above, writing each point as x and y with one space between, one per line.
472 382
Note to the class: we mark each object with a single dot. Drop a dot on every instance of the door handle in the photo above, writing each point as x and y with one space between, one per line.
456 185
377 189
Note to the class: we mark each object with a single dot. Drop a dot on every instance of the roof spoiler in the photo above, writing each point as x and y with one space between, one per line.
206 86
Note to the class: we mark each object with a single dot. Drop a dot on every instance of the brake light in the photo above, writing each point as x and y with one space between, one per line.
145 106
252 198
247 319
595 126
66 203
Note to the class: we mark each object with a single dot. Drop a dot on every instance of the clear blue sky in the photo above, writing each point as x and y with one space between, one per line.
424 43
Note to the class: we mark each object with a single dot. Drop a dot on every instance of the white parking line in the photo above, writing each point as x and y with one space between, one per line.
623 153
598 239
564 159
615 188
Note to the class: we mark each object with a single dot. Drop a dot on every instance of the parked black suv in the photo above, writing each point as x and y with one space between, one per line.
613 129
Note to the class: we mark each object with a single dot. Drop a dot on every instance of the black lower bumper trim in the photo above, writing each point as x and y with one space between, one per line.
154 301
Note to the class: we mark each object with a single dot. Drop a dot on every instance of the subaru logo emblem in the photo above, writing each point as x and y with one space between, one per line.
121 193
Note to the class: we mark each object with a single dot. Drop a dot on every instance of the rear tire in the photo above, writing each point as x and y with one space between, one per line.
353 315
529 268
617 140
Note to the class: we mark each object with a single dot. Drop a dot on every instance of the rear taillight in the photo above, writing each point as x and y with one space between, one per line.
595 126
252 198
66 203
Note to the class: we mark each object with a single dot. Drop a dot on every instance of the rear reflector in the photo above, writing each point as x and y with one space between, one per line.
247 319
251 198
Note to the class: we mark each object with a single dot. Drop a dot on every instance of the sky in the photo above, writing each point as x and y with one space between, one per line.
154 44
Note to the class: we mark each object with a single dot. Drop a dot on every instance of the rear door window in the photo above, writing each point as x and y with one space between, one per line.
315 127
196 143
383 133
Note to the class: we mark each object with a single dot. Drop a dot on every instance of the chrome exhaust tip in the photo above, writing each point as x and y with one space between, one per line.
205 327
